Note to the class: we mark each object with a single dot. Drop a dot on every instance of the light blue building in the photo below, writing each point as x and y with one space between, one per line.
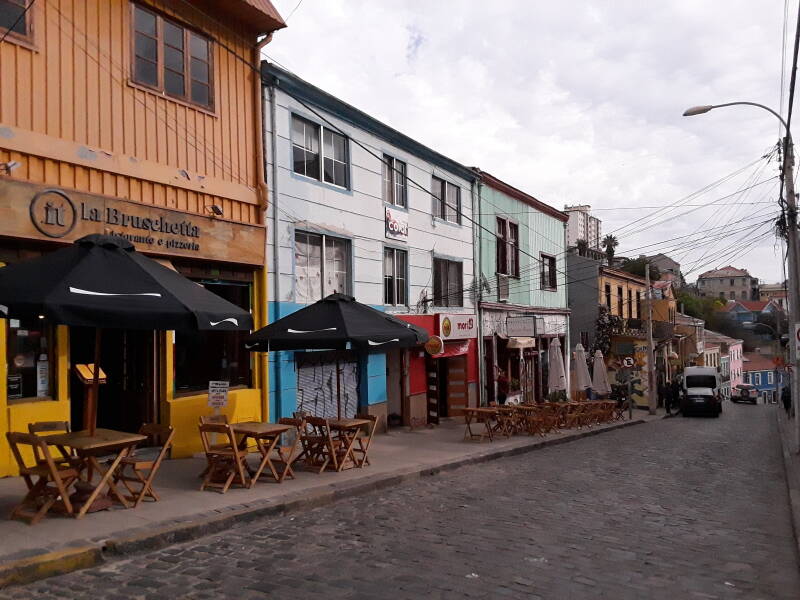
760 371
357 207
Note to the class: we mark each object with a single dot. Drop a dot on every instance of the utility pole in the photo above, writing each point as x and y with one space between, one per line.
651 353
794 281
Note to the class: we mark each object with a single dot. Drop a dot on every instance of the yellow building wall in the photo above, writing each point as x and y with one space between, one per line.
626 285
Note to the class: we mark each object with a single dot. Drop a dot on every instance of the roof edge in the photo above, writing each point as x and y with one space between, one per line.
274 76
518 194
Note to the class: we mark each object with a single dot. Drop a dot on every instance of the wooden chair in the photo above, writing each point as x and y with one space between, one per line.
226 462
321 447
67 455
52 479
531 420
137 471
363 441
287 451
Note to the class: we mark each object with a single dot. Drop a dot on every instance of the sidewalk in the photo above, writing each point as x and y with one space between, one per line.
59 544
791 462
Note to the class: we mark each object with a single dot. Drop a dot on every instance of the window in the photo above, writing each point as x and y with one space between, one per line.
447 283
630 304
446 200
744 294
757 378
732 282
224 357
733 295
395 182
638 305
608 297
322 266
770 377
30 358
306 158
15 19
620 302
334 152
395 275
548 272
305 147
171 58
507 240
585 340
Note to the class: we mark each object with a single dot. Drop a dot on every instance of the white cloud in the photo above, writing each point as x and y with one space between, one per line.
573 102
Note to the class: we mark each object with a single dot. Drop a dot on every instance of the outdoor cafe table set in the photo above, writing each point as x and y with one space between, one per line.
485 422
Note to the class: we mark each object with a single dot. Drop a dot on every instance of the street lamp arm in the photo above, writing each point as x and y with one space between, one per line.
698 110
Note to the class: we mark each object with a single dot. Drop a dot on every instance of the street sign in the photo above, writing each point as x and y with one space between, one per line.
628 362
218 394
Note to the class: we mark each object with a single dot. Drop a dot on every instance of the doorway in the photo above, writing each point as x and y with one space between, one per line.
129 358
395 401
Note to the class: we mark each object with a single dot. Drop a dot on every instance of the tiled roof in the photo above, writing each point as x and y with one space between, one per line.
728 271
716 337
757 362
754 305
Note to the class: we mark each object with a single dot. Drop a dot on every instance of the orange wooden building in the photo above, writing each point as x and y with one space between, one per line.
140 118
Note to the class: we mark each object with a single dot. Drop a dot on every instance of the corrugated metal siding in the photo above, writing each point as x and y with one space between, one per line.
75 86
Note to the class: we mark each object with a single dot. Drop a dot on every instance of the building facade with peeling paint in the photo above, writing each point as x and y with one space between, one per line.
140 119
359 208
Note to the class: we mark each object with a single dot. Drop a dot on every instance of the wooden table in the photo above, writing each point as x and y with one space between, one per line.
89 447
348 431
266 437
483 414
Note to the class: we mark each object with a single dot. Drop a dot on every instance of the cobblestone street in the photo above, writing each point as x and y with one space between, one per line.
680 508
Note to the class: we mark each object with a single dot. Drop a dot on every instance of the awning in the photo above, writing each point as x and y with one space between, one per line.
454 349
521 342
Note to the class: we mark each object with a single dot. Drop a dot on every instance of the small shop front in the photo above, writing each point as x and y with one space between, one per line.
441 378
151 376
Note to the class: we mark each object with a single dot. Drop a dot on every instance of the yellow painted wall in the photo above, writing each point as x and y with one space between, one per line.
626 284
16 416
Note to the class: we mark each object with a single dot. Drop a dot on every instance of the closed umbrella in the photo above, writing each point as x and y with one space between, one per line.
101 281
583 379
600 375
556 377
337 322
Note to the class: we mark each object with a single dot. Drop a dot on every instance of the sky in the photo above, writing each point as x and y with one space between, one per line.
579 103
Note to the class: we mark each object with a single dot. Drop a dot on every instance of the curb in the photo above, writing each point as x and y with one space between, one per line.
792 481
45 565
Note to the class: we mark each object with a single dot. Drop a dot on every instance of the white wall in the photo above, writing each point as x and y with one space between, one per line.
358 213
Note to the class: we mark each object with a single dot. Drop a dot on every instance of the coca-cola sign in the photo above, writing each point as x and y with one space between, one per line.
396 224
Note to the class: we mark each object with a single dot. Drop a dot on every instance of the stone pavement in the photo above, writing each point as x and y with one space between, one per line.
62 544
678 508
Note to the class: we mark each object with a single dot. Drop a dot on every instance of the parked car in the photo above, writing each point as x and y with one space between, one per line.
700 391
744 392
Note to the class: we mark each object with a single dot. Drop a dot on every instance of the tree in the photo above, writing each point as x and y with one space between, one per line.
582 246
636 266
610 244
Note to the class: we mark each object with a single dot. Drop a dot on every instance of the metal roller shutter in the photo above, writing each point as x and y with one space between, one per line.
316 388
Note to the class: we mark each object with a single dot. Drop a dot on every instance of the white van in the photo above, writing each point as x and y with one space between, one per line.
701 391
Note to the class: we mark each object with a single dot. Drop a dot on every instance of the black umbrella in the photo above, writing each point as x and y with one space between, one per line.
337 322
101 281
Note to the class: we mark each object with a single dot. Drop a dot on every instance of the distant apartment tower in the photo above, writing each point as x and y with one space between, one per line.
728 283
583 226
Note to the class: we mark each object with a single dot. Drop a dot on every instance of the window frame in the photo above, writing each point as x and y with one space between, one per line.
50 332
441 200
447 303
324 237
321 131
24 39
389 167
394 250
551 272
188 30
607 294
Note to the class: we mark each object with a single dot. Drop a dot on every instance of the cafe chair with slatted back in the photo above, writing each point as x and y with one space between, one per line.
361 449
67 456
287 453
323 448
206 419
48 481
226 462
137 471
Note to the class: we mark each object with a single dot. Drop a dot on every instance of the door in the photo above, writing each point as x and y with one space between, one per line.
129 358
489 370
432 389
394 388
456 370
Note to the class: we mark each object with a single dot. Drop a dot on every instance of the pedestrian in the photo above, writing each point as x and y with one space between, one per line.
662 394
502 386
786 398
668 399
675 388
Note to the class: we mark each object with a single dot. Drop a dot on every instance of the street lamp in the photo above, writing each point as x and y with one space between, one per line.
791 242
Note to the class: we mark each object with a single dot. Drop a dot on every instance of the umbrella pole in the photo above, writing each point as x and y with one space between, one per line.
338 392
94 396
